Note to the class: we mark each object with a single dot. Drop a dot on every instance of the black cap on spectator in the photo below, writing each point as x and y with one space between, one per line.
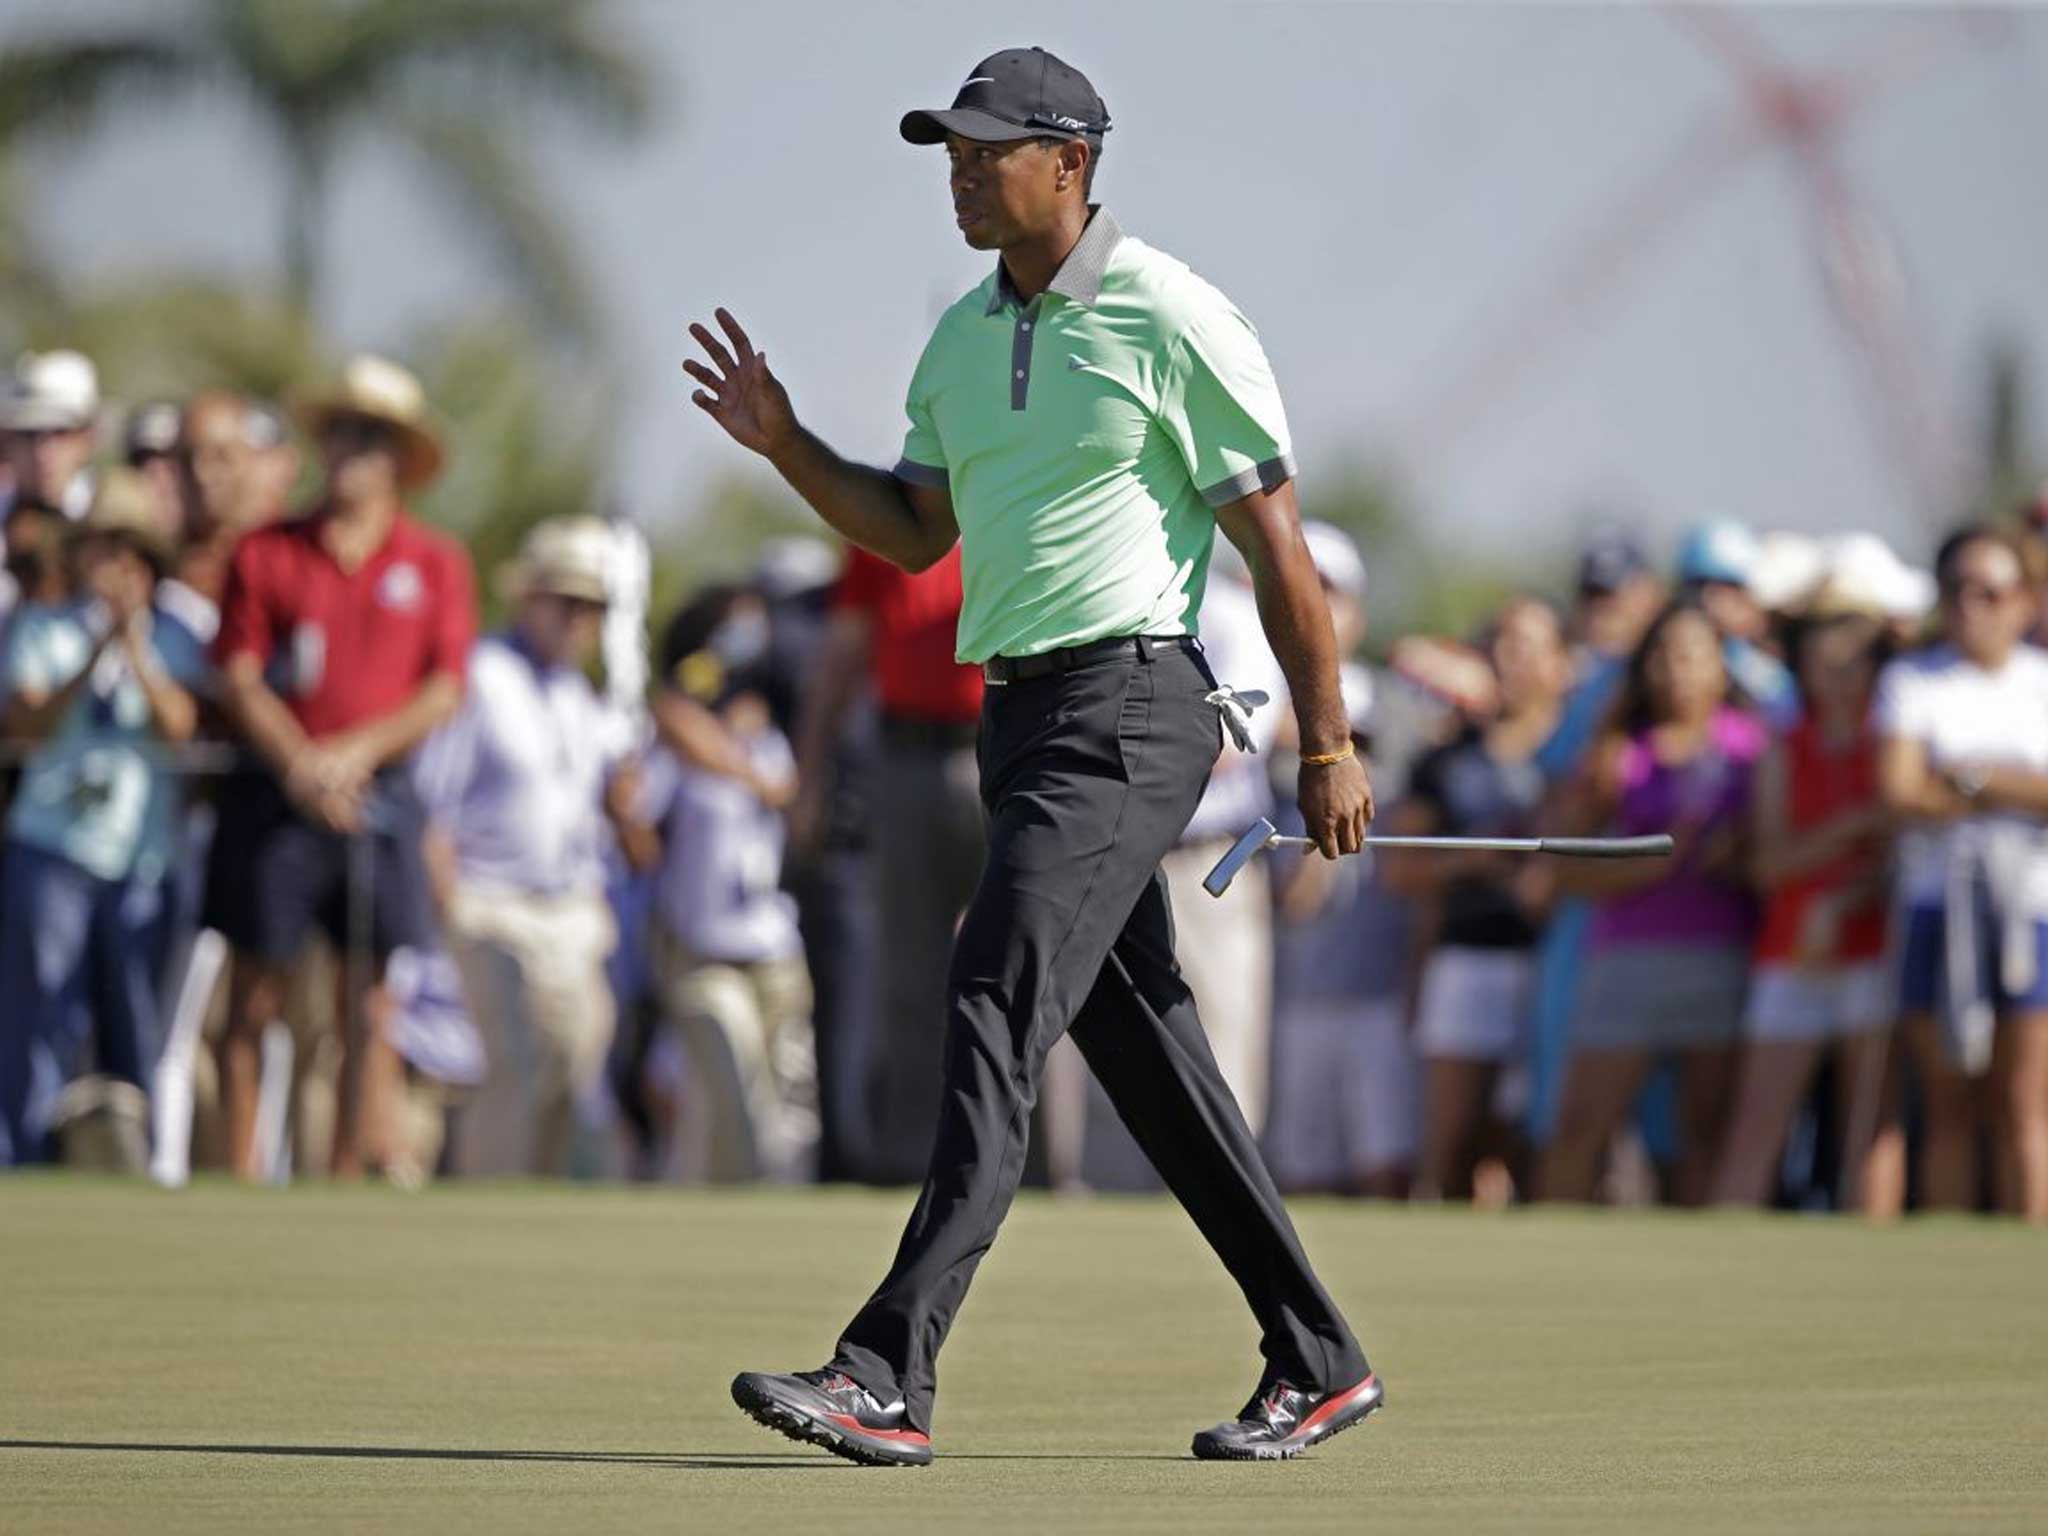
152 430
1609 561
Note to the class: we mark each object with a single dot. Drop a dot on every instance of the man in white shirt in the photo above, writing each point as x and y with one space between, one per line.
518 784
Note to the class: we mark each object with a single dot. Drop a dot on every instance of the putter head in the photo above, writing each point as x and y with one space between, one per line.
1258 836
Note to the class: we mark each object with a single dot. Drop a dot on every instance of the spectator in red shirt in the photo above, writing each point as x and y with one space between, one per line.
900 629
343 639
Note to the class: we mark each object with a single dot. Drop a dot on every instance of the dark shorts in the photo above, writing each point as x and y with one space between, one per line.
1923 964
274 876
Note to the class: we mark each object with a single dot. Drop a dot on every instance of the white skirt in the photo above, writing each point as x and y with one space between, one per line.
1807 1005
1475 1003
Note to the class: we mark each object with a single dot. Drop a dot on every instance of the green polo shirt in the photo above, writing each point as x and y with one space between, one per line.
1085 438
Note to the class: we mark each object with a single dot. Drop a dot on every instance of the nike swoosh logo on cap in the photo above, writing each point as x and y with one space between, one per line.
977 80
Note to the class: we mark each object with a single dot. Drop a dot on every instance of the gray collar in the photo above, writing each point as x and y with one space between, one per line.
1080 275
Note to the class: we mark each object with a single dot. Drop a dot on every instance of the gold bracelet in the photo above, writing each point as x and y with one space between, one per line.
1324 759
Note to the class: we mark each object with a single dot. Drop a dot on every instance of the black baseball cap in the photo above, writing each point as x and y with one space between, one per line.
1020 93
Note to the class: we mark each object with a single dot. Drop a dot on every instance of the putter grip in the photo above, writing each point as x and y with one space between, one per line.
1655 846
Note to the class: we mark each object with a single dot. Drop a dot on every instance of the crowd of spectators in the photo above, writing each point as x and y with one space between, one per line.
302 875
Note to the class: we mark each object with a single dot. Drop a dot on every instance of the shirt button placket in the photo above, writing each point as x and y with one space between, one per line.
1020 356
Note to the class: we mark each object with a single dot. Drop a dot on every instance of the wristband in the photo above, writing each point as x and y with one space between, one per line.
1325 759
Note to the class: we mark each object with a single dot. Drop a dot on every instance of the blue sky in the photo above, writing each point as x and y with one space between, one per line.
1384 189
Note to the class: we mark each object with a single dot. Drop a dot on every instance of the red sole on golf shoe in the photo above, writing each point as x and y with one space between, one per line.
1332 1416
832 1432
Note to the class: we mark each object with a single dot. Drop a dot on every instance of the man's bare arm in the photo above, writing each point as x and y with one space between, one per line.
906 524
173 711
1336 799
33 715
1909 786
910 525
390 737
837 678
260 715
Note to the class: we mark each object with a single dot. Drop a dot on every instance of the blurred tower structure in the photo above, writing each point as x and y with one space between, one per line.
1863 272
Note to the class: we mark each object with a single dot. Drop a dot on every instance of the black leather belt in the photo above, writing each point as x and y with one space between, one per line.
999 670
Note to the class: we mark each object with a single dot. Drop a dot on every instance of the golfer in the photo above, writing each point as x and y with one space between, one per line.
1080 422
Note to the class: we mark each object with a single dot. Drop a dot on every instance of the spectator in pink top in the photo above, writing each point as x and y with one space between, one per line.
1669 963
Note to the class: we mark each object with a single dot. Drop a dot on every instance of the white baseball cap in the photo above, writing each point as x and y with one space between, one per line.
1354 680
793 564
50 392
1336 557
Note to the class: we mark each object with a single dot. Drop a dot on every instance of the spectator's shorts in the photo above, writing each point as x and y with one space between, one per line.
273 876
1661 997
1807 1005
1474 1004
1924 960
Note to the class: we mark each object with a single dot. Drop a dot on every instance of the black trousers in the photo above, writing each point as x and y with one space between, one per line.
1088 776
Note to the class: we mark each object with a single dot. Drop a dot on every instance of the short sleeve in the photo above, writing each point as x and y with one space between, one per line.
661 777
183 654
245 627
1899 708
923 461
447 761
454 613
30 666
1221 406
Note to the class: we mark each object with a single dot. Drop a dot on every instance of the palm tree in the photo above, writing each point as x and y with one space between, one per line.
446 78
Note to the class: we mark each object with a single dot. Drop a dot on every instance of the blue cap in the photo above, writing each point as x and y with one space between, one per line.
1610 559
1724 551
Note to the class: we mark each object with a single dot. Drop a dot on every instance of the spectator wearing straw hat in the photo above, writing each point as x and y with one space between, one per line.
517 785
344 640
96 688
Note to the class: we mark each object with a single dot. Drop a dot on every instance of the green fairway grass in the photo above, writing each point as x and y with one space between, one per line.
528 1359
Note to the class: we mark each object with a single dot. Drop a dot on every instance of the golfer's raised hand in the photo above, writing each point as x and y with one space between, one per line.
1336 805
739 392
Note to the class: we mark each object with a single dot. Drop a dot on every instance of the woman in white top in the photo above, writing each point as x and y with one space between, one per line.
1964 759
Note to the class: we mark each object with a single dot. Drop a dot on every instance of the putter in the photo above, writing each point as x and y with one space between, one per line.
1262 834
